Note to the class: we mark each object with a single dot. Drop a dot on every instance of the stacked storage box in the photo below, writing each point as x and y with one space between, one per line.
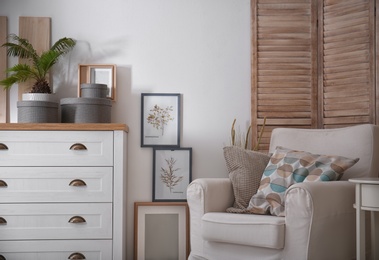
92 107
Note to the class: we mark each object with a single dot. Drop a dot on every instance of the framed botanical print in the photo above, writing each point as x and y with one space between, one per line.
160 120
172 173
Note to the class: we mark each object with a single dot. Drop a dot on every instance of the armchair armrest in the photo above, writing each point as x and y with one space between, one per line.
206 195
210 194
320 216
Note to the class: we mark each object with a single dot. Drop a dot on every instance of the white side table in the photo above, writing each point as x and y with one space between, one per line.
366 199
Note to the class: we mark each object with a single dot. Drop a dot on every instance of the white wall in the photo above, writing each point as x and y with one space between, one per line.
199 48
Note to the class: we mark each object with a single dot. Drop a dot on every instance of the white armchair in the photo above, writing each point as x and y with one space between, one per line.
319 220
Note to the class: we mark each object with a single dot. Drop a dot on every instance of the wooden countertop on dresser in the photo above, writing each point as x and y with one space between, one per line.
63 126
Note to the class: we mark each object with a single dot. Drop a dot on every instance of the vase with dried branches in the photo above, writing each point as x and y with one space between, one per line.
245 142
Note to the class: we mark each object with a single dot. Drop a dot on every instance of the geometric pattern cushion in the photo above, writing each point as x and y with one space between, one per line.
245 169
287 167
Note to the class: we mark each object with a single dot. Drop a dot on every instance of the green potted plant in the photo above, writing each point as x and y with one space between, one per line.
36 68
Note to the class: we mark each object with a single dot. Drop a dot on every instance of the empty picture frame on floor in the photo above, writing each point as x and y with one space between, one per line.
172 173
161 230
160 119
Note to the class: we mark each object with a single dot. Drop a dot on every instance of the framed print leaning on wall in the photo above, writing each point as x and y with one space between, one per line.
172 173
160 120
161 230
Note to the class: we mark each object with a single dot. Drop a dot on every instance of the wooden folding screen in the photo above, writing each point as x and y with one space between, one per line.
284 65
347 63
313 64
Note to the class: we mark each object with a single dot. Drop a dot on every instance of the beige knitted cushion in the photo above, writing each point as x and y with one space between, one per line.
245 171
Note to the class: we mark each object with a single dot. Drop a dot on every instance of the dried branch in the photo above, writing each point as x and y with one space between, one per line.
168 176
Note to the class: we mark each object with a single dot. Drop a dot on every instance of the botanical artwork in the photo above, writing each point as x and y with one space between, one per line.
160 120
159 117
172 173
168 176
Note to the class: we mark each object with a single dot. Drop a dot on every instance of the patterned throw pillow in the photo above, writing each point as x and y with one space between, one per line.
287 167
245 169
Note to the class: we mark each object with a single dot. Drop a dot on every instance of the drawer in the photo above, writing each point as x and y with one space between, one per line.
370 195
56 184
56 249
56 221
56 148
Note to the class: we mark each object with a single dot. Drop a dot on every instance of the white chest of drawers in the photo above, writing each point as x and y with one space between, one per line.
62 191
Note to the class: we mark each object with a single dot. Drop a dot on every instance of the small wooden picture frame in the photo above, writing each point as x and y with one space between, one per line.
98 73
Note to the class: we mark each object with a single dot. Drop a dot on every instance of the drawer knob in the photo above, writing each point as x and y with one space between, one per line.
76 256
77 219
3 146
2 257
3 184
3 221
77 183
78 146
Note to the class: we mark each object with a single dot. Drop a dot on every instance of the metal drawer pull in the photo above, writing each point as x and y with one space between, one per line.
3 184
77 219
78 146
76 256
2 257
3 146
3 221
77 183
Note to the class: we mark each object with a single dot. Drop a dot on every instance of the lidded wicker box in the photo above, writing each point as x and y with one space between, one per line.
86 110
93 90
31 111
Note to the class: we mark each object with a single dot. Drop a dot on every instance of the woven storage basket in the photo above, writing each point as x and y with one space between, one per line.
93 90
37 112
86 110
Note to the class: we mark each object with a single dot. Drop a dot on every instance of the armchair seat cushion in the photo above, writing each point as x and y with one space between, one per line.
249 230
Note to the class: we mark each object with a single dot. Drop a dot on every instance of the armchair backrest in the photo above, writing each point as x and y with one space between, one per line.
360 141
